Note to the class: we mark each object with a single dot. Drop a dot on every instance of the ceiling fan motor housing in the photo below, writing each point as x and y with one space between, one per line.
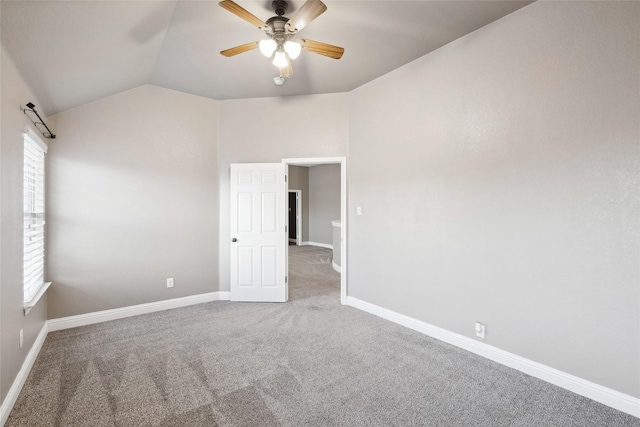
276 29
277 24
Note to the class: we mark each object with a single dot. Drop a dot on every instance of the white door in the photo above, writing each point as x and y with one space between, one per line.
258 232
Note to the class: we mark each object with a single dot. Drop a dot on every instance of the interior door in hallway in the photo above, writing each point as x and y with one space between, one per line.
293 214
258 232
295 217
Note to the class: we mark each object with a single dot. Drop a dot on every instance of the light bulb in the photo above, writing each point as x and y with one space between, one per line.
267 47
280 59
292 48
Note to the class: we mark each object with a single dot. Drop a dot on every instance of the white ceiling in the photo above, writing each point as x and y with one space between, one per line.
75 52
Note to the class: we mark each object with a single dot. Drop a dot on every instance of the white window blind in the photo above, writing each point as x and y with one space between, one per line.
34 212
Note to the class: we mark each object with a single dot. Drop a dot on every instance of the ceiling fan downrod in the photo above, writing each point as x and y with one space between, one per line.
280 7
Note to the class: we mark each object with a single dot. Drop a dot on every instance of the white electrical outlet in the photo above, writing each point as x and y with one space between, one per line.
21 337
480 328
358 210
170 282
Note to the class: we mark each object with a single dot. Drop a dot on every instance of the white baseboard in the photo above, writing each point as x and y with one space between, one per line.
604 395
23 373
321 245
224 296
336 267
133 310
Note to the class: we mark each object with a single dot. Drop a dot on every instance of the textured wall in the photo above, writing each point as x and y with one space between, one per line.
270 129
324 202
133 200
499 182
15 93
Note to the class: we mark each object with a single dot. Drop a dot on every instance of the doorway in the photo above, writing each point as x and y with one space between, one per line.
295 217
343 210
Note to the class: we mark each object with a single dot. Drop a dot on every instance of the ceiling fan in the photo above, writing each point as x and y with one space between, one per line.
280 31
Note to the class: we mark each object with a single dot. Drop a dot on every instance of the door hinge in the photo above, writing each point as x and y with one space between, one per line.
286 278
285 228
285 178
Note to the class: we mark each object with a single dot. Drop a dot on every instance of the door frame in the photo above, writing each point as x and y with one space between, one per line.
342 161
298 216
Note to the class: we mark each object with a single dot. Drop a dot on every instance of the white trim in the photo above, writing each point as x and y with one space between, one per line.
223 296
23 373
320 245
29 305
604 395
133 310
313 161
343 231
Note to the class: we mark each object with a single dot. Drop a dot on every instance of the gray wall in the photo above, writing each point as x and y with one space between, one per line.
133 200
250 131
499 182
299 180
320 187
15 93
324 202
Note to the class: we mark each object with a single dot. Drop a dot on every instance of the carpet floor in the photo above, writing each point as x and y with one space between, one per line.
309 362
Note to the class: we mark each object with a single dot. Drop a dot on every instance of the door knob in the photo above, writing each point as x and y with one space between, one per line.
234 240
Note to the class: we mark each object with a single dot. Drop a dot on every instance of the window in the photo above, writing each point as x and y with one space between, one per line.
34 211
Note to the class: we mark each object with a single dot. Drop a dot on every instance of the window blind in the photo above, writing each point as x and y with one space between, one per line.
34 213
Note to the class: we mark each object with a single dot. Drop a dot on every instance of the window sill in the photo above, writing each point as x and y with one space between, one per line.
30 304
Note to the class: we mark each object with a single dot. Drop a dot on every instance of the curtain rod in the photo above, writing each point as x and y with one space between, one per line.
32 108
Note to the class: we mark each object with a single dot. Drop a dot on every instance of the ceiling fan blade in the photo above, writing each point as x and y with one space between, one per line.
239 49
307 13
320 48
243 13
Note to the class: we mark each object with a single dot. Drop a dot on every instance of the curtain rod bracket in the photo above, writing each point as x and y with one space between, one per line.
32 108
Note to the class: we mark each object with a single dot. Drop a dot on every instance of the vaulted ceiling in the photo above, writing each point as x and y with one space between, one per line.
75 52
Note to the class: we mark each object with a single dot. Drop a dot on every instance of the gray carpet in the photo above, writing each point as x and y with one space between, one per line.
310 362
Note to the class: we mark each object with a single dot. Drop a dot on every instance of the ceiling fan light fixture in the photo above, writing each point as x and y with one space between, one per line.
280 31
292 48
267 47
280 59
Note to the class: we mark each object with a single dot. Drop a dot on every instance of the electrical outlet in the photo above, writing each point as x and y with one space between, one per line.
170 282
480 328
21 337
359 210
